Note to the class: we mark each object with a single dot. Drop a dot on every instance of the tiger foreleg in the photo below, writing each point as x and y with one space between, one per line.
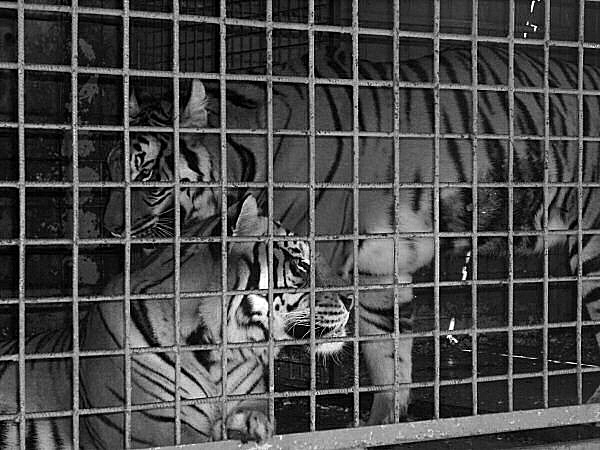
379 357
593 309
590 289
387 366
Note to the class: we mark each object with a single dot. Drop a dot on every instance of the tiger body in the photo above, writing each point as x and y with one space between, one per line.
152 324
247 109
43 392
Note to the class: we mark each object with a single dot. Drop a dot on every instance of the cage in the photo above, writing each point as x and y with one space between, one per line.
497 334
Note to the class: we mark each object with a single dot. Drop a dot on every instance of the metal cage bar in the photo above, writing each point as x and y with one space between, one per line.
423 430
547 133
510 236
475 196
177 227
311 205
127 223
75 249
436 206
22 215
224 219
580 162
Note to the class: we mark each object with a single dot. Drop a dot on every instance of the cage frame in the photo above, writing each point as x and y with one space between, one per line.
437 428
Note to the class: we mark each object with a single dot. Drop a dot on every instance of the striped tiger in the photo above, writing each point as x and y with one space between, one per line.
247 108
152 159
152 325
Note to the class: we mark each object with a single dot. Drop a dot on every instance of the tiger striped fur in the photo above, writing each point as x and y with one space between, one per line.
247 108
152 325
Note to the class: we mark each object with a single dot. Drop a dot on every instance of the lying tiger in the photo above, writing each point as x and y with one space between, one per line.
198 371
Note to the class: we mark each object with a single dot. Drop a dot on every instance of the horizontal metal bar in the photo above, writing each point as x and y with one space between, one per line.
318 392
361 288
44 242
290 185
427 430
306 342
295 132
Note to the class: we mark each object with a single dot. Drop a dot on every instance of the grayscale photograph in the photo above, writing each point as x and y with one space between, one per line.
299 224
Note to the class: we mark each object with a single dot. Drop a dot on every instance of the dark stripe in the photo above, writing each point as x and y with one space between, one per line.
591 266
418 193
386 327
31 436
248 160
523 111
591 296
340 147
56 437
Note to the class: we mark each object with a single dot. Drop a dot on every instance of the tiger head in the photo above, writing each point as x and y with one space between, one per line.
151 159
291 318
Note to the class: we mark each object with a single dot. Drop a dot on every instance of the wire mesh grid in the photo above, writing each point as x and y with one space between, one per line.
224 75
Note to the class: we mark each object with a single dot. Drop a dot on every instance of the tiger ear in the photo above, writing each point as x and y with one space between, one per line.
134 106
194 115
248 222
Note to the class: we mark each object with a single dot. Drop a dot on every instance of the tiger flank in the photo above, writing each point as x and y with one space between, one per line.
195 373
377 213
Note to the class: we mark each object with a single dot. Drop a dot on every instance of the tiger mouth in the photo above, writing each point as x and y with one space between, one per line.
302 331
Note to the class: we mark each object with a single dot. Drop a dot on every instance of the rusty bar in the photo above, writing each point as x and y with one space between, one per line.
22 215
580 162
355 211
177 224
436 206
427 430
547 132
224 240
474 199
397 202
270 203
311 203
127 222
510 237
75 247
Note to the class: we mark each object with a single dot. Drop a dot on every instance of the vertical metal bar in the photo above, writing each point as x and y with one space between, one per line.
546 194
75 252
22 215
127 220
355 203
311 204
177 226
270 205
223 139
474 193
436 207
580 162
396 150
511 159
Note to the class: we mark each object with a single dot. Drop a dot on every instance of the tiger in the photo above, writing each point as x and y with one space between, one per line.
249 320
152 159
387 260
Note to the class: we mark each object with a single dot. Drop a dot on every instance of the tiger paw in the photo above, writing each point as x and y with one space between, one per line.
249 425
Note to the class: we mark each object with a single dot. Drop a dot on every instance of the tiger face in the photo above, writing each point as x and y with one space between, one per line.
291 311
152 160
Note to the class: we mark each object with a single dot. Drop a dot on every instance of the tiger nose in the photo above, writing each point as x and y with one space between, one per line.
347 300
